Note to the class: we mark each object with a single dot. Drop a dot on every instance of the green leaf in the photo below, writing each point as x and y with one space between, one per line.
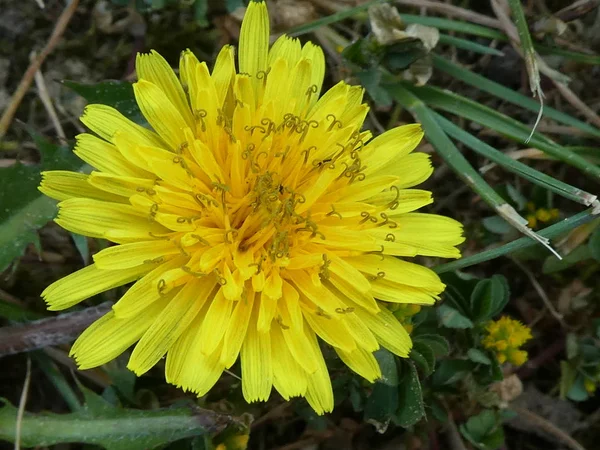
24 209
118 94
577 391
387 364
113 428
382 404
594 245
449 371
497 224
412 408
479 356
451 318
568 374
422 355
438 344
370 80
554 265
484 430
489 297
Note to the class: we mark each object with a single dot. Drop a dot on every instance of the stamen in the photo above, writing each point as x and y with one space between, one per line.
193 273
334 122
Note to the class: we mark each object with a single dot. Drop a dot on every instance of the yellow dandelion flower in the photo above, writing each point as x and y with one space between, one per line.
255 218
504 337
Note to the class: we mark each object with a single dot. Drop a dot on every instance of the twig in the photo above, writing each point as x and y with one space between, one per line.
47 102
548 427
556 77
453 11
577 103
9 298
558 316
46 332
35 65
454 440
22 403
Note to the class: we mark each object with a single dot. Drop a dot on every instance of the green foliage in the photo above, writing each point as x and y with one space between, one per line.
112 427
24 209
484 430
118 94
580 372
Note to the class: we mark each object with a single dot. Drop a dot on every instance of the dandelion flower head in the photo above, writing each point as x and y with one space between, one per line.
256 219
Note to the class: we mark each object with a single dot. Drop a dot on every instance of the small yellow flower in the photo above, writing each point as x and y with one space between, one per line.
504 337
254 217
589 385
543 215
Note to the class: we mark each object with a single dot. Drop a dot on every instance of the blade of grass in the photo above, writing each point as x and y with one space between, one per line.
529 56
471 110
468 45
57 379
454 25
535 176
519 244
457 162
585 58
509 95
333 18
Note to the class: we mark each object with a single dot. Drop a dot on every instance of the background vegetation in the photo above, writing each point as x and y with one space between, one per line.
475 75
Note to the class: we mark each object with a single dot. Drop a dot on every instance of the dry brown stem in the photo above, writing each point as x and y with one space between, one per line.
35 65
46 332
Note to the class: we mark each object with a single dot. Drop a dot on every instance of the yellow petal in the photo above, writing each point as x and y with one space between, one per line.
95 218
134 254
153 67
105 121
289 378
314 54
110 336
224 72
236 331
164 331
334 332
119 185
397 271
87 282
257 369
254 41
62 185
160 113
362 362
266 313
319 392
145 291
390 146
188 368
216 321
105 156
430 234
389 332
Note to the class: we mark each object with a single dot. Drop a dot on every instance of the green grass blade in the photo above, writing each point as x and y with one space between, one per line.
454 25
471 46
333 18
57 379
471 110
519 244
445 147
496 89
535 176
457 162
585 58
526 45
